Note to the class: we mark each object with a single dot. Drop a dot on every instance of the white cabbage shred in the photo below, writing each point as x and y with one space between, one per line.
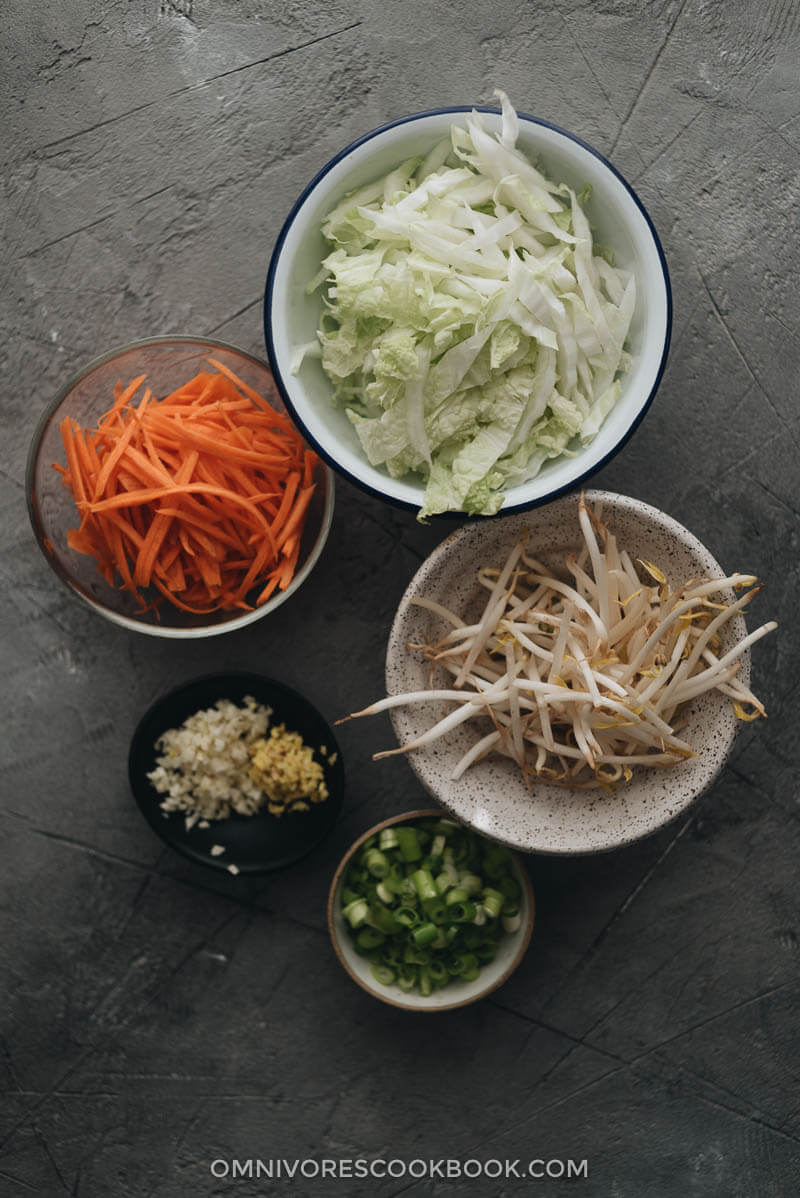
470 327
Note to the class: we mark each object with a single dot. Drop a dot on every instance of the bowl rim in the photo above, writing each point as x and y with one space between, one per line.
406 817
185 851
525 505
164 631
689 540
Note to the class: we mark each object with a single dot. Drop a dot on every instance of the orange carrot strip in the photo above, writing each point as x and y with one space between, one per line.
123 396
268 589
237 382
175 577
264 556
187 393
298 513
125 527
147 495
197 494
113 458
196 610
292 483
200 440
77 480
196 521
209 571
159 528
310 460
288 568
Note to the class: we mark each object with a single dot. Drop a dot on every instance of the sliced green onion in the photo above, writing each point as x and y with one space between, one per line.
408 843
492 902
383 919
436 911
462 962
437 971
388 839
472 937
356 912
510 888
377 863
424 884
407 977
428 903
408 891
463 912
369 938
424 934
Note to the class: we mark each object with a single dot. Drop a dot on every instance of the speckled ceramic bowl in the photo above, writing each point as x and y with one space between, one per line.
511 950
491 797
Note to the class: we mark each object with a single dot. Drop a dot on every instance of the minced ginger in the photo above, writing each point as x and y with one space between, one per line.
285 769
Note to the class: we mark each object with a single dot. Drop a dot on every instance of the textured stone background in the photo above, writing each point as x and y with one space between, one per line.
157 1017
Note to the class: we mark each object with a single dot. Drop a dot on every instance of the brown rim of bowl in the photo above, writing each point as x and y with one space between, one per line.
406 817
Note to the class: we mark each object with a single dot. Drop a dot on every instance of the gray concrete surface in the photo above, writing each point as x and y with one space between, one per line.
156 1017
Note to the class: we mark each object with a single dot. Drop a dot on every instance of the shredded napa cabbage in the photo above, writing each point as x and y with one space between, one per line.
471 328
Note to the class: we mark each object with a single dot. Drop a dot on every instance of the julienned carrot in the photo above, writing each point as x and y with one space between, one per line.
198 498
297 514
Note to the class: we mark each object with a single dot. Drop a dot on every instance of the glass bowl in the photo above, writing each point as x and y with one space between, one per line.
167 362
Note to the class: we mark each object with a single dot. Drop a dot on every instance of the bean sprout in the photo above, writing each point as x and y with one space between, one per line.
582 681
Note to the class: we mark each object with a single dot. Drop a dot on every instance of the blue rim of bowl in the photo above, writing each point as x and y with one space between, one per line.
166 631
270 282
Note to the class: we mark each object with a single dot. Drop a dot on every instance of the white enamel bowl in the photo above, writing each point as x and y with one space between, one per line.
291 315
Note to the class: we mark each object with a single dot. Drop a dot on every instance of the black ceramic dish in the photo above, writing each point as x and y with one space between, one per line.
257 843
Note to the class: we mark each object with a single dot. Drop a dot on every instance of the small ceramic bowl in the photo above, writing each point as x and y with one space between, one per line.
456 994
291 314
167 362
252 844
491 796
